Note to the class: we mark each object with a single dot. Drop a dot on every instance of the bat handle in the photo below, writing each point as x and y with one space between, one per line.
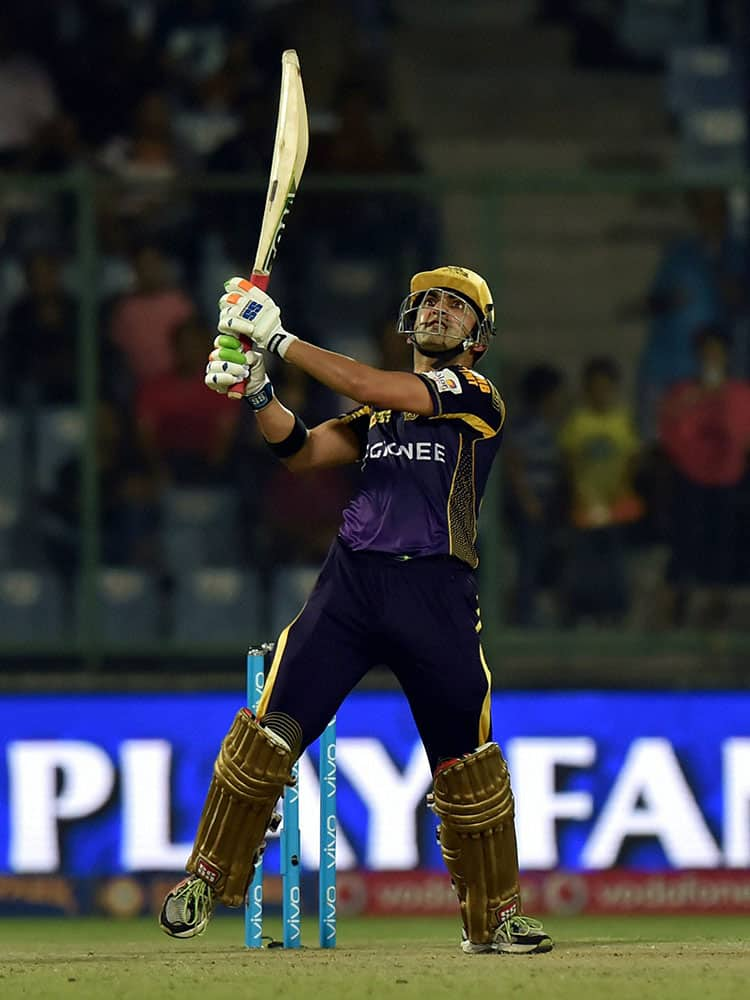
260 279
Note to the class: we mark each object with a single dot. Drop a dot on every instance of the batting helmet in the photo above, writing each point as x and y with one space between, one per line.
461 281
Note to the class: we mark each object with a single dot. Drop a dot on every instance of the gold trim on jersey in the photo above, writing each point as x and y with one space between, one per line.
450 494
461 506
475 508
475 422
363 411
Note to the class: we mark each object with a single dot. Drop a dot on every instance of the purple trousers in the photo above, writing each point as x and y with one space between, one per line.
418 617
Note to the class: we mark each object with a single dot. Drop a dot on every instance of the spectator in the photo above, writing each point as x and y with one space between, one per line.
47 315
57 147
209 120
150 151
533 467
194 37
142 321
29 101
361 242
150 156
363 140
699 281
248 148
127 503
100 57
225 219
601 449
211 114
185 431
705 432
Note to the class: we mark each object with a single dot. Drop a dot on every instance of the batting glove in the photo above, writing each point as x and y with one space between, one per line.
246 311
229 364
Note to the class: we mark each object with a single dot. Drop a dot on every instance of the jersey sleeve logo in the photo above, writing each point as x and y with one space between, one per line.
477 380
445 381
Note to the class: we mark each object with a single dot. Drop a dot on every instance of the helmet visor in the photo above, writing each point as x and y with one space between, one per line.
437 317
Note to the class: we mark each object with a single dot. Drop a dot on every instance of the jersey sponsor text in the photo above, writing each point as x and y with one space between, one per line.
414 451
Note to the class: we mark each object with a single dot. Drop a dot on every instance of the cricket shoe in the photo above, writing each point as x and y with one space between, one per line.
517 935
521 935
187 908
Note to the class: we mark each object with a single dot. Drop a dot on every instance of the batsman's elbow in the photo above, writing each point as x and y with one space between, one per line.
302 461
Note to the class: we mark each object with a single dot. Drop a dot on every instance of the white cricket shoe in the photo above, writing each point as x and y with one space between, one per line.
187 908
517 935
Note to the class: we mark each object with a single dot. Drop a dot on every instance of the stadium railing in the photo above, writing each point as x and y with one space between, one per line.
475 208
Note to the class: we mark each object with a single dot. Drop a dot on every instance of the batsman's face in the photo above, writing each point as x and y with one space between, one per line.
443 320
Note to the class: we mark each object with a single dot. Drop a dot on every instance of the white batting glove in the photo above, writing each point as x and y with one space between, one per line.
229 363
246 311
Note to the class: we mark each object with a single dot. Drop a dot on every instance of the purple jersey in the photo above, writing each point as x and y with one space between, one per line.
423 478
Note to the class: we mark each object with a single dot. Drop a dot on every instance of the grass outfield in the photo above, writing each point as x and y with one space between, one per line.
612 958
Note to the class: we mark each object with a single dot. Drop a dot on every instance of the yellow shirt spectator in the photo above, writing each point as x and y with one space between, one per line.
600 447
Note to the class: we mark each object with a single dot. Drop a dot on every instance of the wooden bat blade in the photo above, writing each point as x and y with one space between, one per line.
289 156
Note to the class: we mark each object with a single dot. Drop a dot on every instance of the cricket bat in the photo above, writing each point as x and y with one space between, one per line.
289 155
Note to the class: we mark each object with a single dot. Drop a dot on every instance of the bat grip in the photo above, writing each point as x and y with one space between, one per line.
260 280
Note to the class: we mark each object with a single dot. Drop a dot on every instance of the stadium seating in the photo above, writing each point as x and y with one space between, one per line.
9 513
713 140
58 438
648 28
218 604
291 588
11 451
194 527
128 607
31 606
701 77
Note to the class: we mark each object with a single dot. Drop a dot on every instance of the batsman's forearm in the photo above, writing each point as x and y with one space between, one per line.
275 421
344 375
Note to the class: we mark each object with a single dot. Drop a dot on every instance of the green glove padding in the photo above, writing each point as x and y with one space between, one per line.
230 349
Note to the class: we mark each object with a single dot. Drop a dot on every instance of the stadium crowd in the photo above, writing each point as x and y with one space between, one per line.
158 92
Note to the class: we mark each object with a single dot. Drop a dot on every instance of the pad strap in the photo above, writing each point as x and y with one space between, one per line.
473 798
250 773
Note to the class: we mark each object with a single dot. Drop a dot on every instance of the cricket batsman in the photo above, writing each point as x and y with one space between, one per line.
397 588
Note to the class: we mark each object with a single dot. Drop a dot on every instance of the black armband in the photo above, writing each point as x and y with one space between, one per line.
293 442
